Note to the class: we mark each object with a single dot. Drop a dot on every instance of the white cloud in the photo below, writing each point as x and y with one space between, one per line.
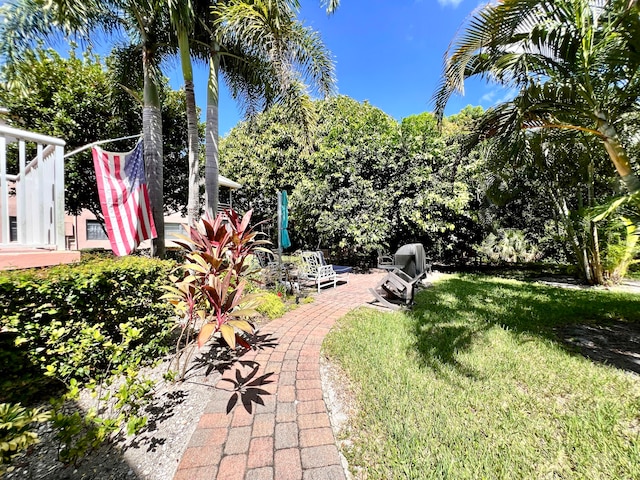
508 96
488 97
498 95
452 3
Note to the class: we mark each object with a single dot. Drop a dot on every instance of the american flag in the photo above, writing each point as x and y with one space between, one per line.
124 198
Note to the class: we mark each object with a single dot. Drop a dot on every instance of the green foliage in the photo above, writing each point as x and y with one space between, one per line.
620 247
89 325
83 321
271 305
16 430
118 412
209 295
508 246
358 182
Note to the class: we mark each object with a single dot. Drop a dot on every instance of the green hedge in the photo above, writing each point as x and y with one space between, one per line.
81 321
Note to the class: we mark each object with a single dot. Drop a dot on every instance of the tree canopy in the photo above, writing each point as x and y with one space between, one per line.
360 182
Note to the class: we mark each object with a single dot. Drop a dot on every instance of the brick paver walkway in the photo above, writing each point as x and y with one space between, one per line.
289 437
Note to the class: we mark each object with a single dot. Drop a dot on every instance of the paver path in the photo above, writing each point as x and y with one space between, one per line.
289 437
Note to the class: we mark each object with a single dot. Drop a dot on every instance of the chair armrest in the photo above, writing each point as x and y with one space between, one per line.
326 271
385 260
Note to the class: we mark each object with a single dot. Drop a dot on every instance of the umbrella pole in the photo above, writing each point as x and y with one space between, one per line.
279 236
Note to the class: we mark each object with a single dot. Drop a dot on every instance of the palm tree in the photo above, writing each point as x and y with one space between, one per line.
26 21
575 64
182 19
264 54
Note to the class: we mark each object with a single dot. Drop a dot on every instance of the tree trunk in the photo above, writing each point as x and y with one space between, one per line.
576 240
153 157
618 155
193 142
211 143
595 262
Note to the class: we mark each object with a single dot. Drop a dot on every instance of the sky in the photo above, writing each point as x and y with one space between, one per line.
387 52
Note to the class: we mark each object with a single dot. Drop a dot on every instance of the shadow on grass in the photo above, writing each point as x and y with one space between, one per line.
451 315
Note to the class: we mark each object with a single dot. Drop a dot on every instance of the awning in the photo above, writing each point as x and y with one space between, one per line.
225 182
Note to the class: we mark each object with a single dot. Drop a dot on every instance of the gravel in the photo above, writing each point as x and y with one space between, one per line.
154 454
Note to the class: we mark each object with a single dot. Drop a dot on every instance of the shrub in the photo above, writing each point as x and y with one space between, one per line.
85 324
508 246
83 321
271 306
208 294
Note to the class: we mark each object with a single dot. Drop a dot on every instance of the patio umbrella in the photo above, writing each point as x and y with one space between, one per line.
285 242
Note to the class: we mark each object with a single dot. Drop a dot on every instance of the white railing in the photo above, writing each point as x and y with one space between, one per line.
38 202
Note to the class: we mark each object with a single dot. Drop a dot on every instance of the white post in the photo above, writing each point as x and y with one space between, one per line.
21 193
39 198
58 198
279 236
4 192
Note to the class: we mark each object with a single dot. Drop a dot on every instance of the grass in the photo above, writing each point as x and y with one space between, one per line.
473 384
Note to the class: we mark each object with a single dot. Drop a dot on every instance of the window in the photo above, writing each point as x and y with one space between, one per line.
171 228
95 231
13 229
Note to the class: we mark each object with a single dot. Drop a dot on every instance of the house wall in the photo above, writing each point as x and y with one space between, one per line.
76 227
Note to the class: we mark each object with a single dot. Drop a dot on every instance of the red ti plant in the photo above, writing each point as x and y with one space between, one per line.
208 294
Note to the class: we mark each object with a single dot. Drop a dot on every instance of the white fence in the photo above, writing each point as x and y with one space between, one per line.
32 194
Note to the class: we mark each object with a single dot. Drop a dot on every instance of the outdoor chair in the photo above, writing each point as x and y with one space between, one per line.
386 262
271 268
342 271
313 270
398 286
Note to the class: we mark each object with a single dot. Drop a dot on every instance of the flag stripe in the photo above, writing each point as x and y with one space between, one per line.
103 167
124 198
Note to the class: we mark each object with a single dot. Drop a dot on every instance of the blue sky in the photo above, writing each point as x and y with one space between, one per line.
388 52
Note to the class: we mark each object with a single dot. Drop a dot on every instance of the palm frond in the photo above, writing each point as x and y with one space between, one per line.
267 54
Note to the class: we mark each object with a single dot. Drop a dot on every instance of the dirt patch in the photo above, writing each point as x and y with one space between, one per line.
614 343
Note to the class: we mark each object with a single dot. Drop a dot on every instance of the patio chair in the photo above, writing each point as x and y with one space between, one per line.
342 271
385 262
271 268
312 270
400 283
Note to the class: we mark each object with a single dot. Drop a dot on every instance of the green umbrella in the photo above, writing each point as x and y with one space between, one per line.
285 242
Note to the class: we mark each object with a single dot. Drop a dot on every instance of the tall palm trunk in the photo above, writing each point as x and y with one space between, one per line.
211 169
193 141
618 155
153 157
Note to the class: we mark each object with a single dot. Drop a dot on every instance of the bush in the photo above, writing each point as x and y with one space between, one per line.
508 246
82 321
271 306
85 324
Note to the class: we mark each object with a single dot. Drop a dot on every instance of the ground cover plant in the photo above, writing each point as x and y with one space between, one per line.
474 383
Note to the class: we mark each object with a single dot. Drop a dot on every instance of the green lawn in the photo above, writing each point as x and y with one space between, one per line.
473 384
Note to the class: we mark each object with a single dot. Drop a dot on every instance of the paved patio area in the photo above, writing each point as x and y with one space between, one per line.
289 437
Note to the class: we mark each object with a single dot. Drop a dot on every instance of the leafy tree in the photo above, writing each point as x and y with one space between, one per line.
438 203
78 100
28 21
264 54
358 184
